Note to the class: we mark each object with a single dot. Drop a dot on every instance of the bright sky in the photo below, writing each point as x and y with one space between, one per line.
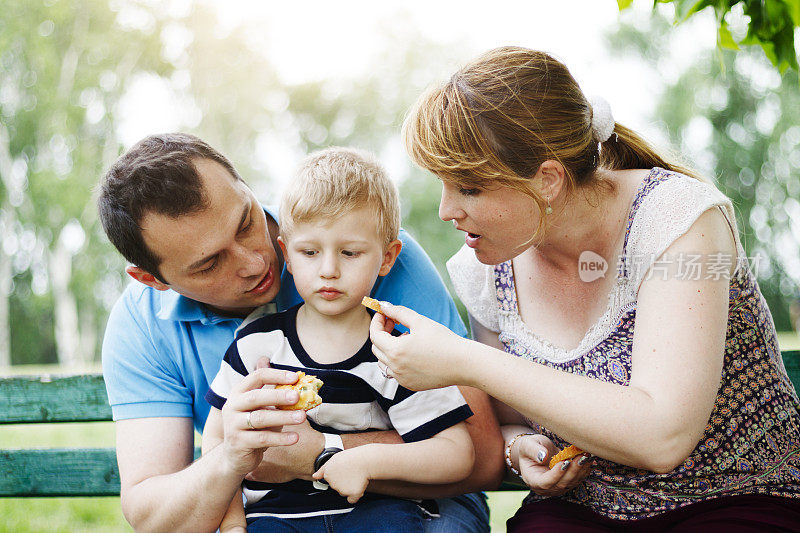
321 39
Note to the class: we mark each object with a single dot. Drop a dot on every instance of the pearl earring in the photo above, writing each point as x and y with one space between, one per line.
548 210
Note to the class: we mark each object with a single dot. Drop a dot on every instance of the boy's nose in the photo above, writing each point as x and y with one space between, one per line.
329 268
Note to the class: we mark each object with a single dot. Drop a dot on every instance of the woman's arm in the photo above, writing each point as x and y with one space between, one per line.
652 423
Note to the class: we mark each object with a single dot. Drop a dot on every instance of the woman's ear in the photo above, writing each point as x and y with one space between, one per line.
551 179
285 255
142 276
389 256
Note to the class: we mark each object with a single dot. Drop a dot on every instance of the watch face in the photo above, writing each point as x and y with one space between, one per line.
324 456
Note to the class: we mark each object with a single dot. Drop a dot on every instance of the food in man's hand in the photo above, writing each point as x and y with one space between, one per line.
567 453
372 303
306 387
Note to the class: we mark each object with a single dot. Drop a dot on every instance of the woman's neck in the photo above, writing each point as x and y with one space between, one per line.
332 339
586 220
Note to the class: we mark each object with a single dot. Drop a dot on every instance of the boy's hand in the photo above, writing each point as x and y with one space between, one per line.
347 473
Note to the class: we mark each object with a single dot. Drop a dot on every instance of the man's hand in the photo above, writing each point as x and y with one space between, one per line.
347 473
251 423
285 463
544 481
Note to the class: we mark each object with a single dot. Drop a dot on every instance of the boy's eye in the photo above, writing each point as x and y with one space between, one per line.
309 252
350 253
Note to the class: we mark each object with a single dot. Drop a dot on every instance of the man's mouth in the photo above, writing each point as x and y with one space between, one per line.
263 285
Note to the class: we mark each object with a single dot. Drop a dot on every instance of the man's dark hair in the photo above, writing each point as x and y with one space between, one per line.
157 175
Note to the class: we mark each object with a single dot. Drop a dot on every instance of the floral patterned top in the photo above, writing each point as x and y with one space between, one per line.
751 444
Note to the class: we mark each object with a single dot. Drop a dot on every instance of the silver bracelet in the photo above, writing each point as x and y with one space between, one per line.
508 452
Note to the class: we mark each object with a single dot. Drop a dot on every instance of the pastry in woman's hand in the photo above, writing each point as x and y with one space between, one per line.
567 453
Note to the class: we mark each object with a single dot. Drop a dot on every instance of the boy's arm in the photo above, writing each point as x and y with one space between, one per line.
446 457
234 519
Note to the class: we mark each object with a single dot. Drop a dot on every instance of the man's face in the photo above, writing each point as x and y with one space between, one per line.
223 255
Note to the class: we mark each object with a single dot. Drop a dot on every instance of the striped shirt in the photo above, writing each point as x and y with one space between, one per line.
356 398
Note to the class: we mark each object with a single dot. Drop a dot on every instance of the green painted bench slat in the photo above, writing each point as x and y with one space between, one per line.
59 472
31 399
85 471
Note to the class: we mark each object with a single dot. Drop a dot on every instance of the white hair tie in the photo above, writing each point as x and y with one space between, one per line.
602 119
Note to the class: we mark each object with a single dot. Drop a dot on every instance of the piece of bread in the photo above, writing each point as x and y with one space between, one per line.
567 453
306 387
372 303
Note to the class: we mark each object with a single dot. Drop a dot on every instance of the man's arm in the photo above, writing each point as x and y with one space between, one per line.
163 490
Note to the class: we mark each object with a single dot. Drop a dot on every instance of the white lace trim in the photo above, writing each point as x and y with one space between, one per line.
663 216
467 273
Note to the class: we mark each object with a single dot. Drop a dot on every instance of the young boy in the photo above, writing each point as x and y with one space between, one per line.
339 223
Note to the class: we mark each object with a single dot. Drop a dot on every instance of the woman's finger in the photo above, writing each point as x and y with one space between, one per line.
400 315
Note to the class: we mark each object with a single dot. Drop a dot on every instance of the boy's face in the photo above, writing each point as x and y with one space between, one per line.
223 255
335 262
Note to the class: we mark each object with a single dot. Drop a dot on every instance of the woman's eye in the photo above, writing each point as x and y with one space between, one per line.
469 192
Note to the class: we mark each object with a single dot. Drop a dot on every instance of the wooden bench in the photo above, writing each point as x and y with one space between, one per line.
89 471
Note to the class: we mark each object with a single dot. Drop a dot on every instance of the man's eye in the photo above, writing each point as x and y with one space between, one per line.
209 268
469 192
247 227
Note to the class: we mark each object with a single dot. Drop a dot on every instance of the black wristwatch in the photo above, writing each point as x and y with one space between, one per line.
333 445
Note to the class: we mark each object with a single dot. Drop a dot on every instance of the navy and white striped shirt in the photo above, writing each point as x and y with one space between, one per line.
356 397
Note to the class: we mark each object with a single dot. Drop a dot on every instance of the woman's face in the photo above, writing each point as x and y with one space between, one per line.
499 223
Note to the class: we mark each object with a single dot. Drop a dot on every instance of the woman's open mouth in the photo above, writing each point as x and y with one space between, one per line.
472 239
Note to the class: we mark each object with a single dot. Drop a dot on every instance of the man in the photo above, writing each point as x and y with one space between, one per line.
204 253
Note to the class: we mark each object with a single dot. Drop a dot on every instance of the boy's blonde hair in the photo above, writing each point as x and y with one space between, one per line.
335 181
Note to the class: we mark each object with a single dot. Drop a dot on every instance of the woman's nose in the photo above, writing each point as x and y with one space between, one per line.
448 208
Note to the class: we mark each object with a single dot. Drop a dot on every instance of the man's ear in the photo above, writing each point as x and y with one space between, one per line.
389 256
285 255
142 276
551 178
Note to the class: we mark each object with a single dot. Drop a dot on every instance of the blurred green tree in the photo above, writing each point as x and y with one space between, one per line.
738 120
771 24
65 65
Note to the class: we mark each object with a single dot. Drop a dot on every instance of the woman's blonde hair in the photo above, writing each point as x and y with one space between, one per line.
335 181
502 115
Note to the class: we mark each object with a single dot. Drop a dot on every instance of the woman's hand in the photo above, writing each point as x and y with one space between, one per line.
425 358
544 481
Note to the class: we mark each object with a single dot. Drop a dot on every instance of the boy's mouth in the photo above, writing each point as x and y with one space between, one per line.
329 293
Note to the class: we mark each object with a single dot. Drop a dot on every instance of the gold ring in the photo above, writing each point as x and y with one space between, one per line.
249 423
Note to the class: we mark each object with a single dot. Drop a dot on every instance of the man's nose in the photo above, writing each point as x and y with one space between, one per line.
251 262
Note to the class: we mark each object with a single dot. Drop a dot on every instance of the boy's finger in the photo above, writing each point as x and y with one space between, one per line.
262 362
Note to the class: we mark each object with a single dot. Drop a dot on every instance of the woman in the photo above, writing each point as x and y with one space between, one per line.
613 305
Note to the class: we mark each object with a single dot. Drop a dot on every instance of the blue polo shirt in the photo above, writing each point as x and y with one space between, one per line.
161 350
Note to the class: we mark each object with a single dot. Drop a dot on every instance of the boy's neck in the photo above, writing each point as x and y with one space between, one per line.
330 339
